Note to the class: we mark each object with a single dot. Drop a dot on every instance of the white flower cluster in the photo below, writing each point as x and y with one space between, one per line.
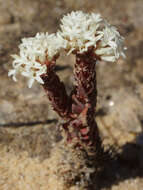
82 31
34 52
111 45
78 32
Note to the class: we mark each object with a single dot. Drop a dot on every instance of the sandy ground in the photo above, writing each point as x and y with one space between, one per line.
28 126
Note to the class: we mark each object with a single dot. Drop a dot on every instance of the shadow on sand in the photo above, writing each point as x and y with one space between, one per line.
127 164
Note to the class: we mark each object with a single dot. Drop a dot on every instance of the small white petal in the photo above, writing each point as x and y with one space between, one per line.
108 58
11 72
103 51
39 80
30 82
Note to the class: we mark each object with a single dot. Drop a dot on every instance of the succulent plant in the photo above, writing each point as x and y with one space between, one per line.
91 39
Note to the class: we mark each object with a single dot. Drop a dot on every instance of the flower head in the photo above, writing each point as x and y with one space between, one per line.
82 31
111 45
34 52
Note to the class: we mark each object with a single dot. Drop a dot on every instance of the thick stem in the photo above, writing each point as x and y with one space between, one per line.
82 131
56 92
85 78
83 124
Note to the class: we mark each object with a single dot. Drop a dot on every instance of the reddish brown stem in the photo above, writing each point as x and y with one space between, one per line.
85 78
84 97
56 92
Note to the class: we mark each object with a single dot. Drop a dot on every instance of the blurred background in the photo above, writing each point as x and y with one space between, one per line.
26 118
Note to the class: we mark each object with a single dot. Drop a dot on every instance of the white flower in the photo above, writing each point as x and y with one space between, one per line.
111 45
28 68
80 30
34 52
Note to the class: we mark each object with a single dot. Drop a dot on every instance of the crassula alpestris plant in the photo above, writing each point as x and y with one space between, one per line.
91 39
